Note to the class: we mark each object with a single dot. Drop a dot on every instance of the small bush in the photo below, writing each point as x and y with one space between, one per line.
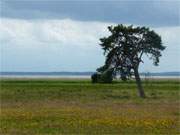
105 77
95 78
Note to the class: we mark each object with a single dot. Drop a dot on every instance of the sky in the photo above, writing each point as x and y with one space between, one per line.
54 35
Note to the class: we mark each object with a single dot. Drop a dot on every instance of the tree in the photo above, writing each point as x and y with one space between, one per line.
124 48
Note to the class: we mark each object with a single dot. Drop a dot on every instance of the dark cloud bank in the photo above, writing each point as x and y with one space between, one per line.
151 13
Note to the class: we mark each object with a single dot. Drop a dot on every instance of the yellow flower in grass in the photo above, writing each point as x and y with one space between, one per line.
166 123
33 124
148 123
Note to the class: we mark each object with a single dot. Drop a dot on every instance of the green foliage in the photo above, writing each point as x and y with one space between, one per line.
95 78
103 76
107 76
102 69
126 45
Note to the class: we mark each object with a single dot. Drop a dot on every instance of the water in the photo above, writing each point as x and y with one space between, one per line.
46 76
85 75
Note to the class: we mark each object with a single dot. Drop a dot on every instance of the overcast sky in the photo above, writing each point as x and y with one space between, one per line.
60 35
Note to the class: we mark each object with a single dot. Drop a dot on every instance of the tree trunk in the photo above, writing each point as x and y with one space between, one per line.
138 82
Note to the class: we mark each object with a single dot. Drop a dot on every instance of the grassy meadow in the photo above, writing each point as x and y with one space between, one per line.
76 106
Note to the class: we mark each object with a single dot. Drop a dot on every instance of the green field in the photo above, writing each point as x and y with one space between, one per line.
66 106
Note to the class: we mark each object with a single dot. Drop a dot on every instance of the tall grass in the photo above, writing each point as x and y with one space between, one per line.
60 106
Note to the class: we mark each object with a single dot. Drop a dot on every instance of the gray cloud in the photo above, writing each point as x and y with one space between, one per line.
151 13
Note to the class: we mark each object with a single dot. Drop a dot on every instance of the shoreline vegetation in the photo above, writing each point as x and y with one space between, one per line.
81 75
76 106
86 73
83 78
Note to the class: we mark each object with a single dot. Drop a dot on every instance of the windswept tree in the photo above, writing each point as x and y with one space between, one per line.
124 49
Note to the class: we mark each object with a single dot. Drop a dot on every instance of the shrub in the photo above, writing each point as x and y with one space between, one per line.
95 78
105 77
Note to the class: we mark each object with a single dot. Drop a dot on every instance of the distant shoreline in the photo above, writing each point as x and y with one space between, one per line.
81 75
73 77
67 73
46 76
